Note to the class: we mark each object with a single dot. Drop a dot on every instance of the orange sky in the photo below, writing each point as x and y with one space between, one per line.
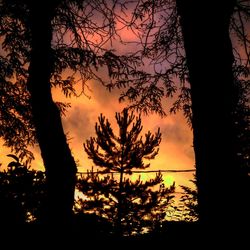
176 151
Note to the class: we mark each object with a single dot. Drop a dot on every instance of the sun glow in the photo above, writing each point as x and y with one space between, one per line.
168 180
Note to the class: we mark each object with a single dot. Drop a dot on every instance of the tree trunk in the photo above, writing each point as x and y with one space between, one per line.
205 28
120 205
59 164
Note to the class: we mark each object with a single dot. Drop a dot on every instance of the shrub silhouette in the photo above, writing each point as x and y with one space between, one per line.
190 202
22 193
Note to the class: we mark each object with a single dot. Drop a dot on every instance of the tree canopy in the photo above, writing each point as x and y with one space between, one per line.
81 30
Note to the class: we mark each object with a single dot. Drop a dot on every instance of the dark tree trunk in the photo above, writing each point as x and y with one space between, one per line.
59 163
205 27
120 212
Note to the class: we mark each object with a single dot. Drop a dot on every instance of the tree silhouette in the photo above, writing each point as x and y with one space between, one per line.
213 120
39 42
32 62
191 44
130 205
241 118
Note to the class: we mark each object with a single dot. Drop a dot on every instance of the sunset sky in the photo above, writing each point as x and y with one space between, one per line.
176 151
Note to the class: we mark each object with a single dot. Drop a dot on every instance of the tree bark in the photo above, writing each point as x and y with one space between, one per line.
59 164
205 28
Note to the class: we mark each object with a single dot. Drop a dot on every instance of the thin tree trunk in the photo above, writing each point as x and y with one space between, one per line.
59 163
120 206
205 27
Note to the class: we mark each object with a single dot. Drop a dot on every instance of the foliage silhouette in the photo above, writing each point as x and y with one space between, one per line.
131 206
40 42
22 193
160 41
241 118
75 58
27 47
190 202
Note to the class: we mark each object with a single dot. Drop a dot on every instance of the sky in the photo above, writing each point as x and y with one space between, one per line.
176 151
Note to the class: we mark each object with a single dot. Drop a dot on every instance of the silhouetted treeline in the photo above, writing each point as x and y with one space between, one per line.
213 94
23 202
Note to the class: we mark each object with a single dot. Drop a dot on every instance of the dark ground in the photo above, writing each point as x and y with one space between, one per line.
174 235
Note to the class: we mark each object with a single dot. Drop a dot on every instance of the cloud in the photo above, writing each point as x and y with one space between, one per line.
78 122
176 151
175 133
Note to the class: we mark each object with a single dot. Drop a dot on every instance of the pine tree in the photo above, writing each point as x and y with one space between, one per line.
131 206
